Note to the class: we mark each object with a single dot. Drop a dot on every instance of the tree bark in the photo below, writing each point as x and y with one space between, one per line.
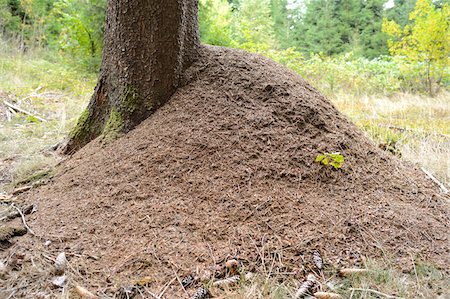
148 44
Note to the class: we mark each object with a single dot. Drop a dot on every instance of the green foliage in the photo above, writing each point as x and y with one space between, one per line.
424 43
336 160
332 27
77 29
252 25
400 11
336 45
215 22
319 29
344 74
9 20
24 21
282 22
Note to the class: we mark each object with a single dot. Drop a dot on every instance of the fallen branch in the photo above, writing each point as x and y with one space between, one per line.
5 197
401 129
375 292
327 295
443 188
18 109
22 190
84 293
352 271
23 220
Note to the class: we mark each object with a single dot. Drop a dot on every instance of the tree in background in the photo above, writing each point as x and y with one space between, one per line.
400 11
77 28
24 21
319 30
281 23
372 41
332 27
10 19
252 24
425 41
215 22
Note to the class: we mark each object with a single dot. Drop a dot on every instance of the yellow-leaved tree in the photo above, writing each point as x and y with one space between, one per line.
425 42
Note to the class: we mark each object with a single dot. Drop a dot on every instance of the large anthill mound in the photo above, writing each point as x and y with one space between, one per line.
226 168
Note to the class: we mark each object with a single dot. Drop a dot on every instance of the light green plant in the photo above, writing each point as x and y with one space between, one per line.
336 160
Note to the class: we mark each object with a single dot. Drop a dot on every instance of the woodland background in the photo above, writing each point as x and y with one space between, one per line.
383 63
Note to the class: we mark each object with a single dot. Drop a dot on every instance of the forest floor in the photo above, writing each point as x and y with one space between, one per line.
415 128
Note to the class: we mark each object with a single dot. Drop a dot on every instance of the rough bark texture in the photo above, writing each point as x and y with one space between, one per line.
147 46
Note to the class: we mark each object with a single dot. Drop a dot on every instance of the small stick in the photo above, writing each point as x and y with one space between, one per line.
165 289
443 188
413 130
375 292
179 280
22 189
24 111
23 220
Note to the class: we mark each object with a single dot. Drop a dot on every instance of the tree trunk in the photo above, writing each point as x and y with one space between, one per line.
148 44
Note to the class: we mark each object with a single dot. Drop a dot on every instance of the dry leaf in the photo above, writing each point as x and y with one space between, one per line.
204 275
59 281
232 265
144 281
84 293
3 269
327 295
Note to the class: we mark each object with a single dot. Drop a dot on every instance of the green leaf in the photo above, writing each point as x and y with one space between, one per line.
335 164
320 158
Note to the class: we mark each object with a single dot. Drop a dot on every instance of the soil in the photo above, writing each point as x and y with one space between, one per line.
227 169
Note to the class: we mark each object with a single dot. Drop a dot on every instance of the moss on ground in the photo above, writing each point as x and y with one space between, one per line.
36 176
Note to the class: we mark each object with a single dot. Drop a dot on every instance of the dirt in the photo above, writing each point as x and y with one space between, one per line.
227 169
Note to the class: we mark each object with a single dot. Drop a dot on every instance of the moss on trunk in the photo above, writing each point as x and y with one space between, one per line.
147 47
114 126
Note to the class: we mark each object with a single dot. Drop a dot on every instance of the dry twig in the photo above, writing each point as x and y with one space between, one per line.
14 107
166 287
327 295
351 271
434 179
23 220
375 292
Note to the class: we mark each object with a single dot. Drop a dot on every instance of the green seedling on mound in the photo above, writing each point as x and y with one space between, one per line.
336 160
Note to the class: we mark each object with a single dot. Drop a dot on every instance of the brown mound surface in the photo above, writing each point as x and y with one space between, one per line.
226 168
